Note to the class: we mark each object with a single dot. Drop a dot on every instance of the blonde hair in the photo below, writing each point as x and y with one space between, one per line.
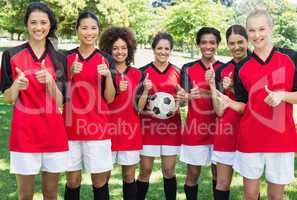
260 12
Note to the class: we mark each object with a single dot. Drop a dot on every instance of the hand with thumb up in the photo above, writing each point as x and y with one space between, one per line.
274 98
180 95
43 75
210 75
228 82
123 83
21 81
148 85
195 91
76 66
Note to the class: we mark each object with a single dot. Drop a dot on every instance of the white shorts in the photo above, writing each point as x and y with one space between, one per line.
226 158
94 155
279 167
33 163
125 157
159 150
199 155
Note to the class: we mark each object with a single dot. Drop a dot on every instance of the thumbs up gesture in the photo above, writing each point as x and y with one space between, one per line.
21 81
228 82
102 69
76 66
223 100
195 91
147 83
274 98
123 83
180 95
210 75
43 75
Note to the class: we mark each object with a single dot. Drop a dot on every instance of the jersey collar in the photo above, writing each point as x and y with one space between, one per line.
204 67
34 56
259 60
87 58
161 72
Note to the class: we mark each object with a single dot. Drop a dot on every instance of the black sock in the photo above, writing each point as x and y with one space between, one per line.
101 193
129 191
214 184
221 195
170 188
142 188
191 192
71 193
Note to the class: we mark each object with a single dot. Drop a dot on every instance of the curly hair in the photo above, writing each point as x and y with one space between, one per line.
112 34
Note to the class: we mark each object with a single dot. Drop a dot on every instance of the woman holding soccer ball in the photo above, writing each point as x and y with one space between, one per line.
33 79
161 138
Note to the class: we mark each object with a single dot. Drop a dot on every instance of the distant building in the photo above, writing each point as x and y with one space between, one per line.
163 3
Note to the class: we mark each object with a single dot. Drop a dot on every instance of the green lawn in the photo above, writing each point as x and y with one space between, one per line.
8 185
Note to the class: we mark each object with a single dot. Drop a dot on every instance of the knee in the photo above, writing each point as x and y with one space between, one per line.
73 181
168 172
223 184
128 177
251 195
145 173
192 177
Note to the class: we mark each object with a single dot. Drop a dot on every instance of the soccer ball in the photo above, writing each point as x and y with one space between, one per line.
162 105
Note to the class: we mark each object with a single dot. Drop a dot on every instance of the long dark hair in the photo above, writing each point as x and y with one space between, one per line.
86 14
238 30
58 60
43 8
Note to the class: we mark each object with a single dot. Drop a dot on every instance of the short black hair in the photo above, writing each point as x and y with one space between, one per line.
236 29
43 8
112 34
208 30
162 36
86 14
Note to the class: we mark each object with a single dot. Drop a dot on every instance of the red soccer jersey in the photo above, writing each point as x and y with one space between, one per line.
37 125
201 119
264 128
227 126
124 119
166 131
86 111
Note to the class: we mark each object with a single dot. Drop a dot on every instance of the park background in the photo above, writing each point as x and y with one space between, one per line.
182 18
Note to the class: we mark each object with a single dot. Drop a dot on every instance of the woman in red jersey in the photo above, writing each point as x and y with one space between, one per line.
161 138
266 85
225 135
120 43
197 137
33 78
86 111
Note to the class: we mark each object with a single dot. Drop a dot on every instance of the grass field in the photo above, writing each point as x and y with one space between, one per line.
8 185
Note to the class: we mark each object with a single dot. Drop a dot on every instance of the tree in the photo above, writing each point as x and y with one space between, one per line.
187 17
284 16
12 17
140 16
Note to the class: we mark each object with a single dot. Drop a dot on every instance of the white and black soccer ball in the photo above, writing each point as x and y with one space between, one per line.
162 105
